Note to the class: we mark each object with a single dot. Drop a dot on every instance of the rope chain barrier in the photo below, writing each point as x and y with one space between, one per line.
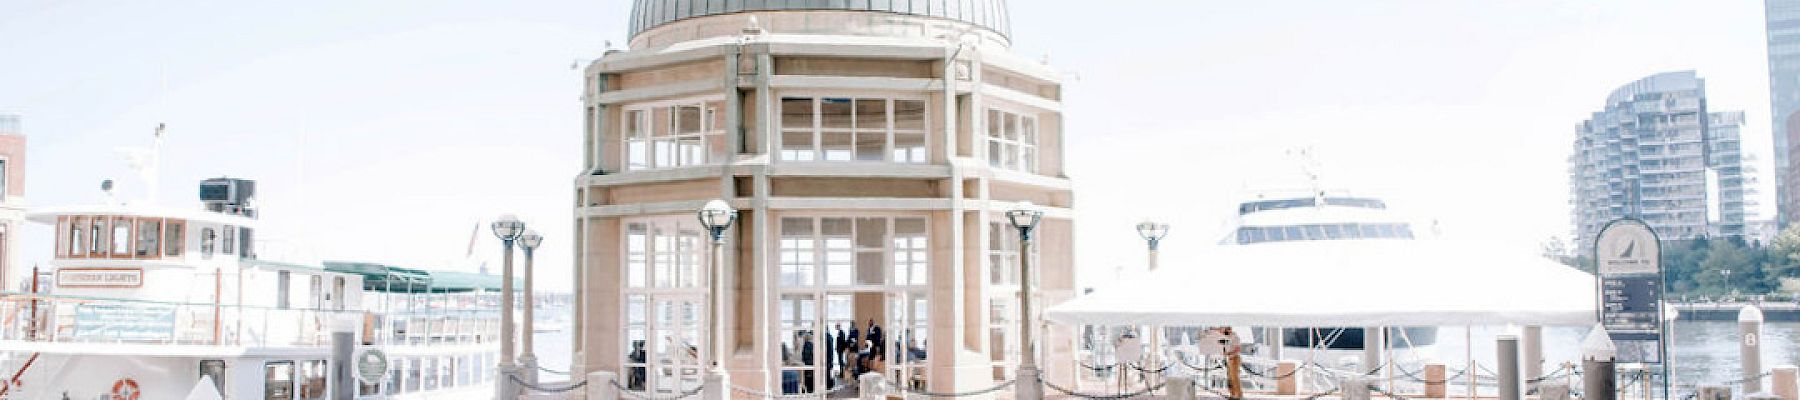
545 389
552 371
767 395
640 396
1141 392
927 393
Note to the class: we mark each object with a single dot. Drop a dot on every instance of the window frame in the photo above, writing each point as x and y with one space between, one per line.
644 116
1021 154
890 130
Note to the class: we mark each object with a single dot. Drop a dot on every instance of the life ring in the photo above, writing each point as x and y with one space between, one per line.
125 389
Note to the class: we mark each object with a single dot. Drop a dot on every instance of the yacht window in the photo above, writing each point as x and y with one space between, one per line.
174 238
1243 235
1334 231
1315 232
149 231
229 245
121 236
1403 231
214 369
1370 231
1293 233
1387 230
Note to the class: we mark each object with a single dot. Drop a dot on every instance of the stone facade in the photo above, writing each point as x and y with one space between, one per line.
871 156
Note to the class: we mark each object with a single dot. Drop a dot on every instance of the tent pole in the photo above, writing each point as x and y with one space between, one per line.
1469 354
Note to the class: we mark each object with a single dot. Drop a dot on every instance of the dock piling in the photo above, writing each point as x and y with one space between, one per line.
1599 377
1750 322
1506 351
1786 382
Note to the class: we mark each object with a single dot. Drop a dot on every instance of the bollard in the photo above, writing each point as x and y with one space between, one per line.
1289 382
1714 393
870 386
1533 351
1181 387
1785 382
1599 377
1354 388
1506 349
603 385
1750 322
1553 392
1436 387
715 386
344 382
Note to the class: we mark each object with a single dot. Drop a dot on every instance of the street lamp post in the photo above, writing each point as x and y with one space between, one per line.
1030 384
507 228
528 242
1729 291
1153 233
717 217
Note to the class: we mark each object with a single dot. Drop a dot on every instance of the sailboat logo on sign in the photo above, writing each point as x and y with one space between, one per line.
1626 248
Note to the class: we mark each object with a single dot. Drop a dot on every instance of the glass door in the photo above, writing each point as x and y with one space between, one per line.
907 336
804 359
678 351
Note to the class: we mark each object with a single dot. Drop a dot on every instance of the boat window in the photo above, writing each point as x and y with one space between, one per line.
336 297
1403 231
312 380
121 236
207 237
97 236
278 380
229 244
174 239
149 231
282 280
214 369
314 291
76 246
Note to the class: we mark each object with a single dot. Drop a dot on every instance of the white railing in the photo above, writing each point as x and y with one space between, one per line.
79 319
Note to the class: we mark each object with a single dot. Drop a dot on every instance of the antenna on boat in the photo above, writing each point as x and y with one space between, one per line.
146 161
1310 166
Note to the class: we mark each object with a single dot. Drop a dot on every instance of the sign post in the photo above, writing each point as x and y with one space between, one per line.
1628 264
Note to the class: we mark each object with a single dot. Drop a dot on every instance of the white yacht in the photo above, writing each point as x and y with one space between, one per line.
145 302
1323 215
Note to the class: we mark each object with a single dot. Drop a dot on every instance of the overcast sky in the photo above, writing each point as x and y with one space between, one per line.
385 131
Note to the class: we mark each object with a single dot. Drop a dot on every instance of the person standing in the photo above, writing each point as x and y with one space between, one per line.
875 338
830 358
806 358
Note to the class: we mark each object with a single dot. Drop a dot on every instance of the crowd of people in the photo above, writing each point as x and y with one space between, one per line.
848 353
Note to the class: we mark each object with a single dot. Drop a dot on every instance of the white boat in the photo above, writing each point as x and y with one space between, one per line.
1314 215
144 302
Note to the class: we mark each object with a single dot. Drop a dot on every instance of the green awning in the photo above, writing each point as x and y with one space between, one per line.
388 278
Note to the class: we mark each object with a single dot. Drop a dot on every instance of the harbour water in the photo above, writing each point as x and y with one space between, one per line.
1703 352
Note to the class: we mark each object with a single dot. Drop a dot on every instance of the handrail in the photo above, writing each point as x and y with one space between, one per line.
14 380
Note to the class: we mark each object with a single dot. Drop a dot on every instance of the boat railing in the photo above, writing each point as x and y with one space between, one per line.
82 319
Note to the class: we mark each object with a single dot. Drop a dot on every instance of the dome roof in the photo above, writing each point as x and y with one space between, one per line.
991 14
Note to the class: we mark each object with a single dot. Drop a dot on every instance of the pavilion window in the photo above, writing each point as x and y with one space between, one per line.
674 134
853 129
1012 141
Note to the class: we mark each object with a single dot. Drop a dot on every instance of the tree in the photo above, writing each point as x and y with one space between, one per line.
1728 255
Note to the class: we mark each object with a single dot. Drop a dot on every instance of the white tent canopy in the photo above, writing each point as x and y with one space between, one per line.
1344 283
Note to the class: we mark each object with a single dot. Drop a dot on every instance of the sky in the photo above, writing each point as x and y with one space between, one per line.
392 131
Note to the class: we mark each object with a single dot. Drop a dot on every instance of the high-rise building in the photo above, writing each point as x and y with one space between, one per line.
1657 154
871 148
12 193
1782 22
